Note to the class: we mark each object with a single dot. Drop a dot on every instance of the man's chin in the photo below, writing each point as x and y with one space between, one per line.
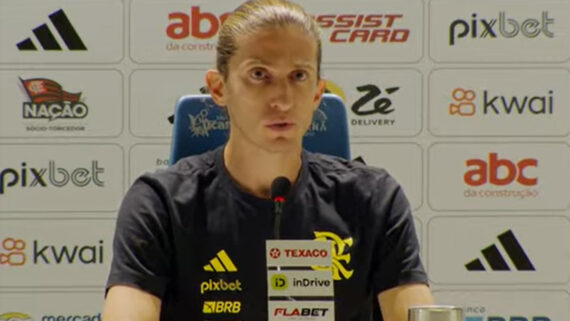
283 145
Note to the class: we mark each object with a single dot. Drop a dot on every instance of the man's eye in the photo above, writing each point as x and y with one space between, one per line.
300 75
258 74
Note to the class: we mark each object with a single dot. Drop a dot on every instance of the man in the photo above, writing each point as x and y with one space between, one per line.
216 206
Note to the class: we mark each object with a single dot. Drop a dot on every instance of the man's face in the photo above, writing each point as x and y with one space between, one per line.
272 88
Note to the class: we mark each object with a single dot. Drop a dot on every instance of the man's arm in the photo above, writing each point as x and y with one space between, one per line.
125 303
394 302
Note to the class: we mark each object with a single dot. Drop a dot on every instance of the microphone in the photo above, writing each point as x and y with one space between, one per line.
279 189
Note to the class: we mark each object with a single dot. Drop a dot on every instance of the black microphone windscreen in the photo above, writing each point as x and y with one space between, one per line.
280 187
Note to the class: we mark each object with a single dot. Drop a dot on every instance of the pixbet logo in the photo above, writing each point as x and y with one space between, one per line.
487 171
56 176
48 254
220 285
464 103
184 25
507 27
350 28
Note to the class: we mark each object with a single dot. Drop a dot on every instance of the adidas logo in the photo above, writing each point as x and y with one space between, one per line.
495 259
221 263
47 39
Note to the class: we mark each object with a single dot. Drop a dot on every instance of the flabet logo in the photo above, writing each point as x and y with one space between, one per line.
28 177
15 316
300 312
479 314
464 104
372 28
48 254
340 255
13 252
500 172
49 101
506 28
375 101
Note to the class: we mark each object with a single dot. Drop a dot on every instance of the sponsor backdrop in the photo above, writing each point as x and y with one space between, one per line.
466 104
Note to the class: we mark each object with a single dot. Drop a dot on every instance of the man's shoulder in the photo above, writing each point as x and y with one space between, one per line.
352 169
353 173
187 170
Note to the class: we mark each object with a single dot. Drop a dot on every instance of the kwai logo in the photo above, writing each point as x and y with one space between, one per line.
503 173
340 255
12 252
375 101
45 253
49 101
370 28
492 104
507 27
52 175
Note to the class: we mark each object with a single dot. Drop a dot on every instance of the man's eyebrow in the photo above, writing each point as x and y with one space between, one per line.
253 61
305 64
259 61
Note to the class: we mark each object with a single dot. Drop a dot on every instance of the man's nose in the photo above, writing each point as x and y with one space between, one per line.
281 95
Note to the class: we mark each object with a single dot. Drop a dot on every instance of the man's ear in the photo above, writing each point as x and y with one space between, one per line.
321 85
216 86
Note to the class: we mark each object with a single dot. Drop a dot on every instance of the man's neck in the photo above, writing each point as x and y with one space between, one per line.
254 169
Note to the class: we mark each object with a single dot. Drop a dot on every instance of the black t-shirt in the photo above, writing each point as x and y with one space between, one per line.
190 236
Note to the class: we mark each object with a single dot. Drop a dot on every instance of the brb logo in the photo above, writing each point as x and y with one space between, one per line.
26 177
350 28
13 253
507 27
464 103
200 25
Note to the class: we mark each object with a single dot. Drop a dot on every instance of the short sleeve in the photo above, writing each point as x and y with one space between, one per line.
142 245
397 260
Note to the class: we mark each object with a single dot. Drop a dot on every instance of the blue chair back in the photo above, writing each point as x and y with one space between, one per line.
200 125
